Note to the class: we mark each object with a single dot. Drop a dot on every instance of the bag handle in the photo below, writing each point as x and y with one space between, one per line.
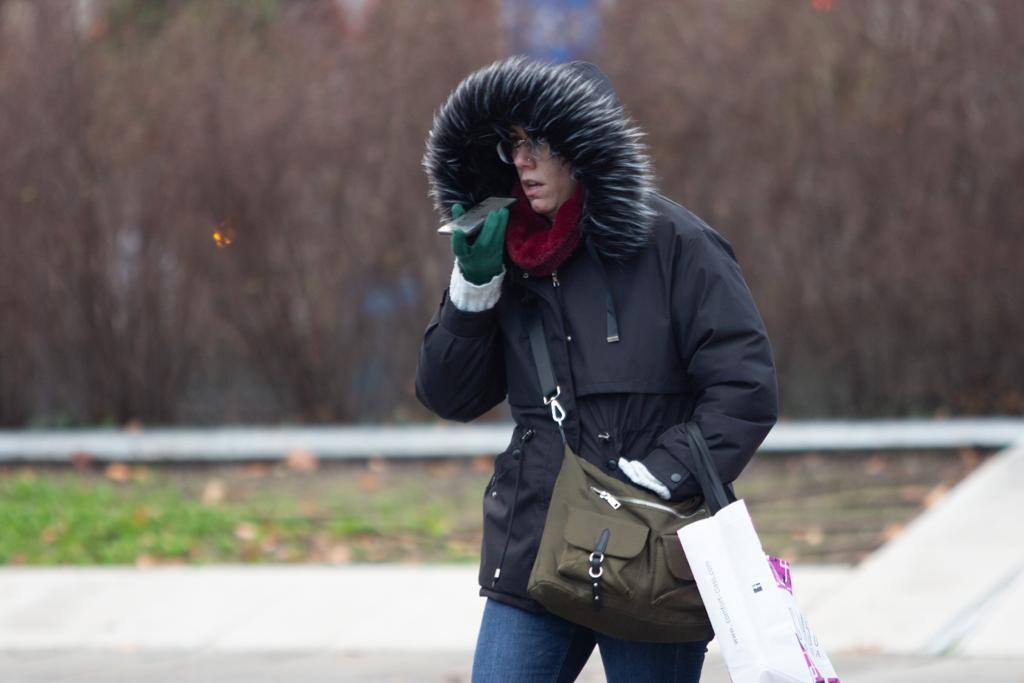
715 494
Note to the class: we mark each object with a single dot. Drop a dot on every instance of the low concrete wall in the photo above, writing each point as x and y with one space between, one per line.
447 440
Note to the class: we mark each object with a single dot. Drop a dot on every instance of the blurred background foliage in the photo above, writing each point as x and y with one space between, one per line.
214 211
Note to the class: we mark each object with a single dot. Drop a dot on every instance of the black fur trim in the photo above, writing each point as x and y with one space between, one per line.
555 102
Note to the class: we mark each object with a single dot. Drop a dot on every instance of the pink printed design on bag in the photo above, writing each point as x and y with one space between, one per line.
818 676
784 580
780 568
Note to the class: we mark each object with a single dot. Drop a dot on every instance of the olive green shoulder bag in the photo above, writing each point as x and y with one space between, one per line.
609 557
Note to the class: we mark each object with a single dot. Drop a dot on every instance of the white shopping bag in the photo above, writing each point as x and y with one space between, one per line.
763 635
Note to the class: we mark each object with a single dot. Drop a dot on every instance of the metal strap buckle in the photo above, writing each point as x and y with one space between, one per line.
596 559
557 412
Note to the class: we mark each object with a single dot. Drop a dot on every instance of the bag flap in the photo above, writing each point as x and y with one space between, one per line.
626 539
676 558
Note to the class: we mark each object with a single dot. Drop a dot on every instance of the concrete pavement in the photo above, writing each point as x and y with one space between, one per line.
302 623
154 666
356 608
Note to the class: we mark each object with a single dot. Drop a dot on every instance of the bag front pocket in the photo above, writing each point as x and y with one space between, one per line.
625 541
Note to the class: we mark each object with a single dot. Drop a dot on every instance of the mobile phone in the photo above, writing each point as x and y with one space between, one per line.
471 221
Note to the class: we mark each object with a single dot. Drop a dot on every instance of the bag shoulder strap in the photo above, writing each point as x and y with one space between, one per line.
541 357
550 391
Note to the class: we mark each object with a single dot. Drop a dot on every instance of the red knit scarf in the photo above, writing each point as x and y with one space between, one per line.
539 247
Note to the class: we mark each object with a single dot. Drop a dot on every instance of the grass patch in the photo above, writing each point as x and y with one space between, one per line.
806 507
137 515
59 521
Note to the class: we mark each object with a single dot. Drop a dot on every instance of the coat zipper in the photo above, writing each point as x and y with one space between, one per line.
527 435
556 284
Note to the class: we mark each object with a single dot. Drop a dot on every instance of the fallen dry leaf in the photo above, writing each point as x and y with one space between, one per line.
213 492
876 465
319 545
935 495
51 533
299 460
146 560
140 515
970 458
246 531
339 554
377 464
483 464
81 460
814 536
913 493
258 469
118 471
251 553
813 459
443 468
891 531
370 482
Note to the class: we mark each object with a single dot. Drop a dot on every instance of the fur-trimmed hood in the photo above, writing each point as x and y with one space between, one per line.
574 108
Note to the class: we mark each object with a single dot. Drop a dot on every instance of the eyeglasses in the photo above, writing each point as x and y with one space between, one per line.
536 150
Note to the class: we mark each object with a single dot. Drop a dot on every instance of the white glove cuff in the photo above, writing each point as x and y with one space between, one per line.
474 298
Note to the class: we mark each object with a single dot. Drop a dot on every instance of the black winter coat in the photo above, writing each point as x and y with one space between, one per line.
691 342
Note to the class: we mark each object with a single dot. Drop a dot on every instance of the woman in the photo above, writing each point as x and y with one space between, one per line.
648 322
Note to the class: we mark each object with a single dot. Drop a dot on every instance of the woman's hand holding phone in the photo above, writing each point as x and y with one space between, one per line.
483 258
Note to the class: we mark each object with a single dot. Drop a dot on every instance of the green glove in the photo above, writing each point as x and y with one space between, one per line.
483 259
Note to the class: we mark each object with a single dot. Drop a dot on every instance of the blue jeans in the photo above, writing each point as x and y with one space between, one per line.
519 646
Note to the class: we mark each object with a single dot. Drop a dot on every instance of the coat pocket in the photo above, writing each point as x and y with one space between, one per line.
625 541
